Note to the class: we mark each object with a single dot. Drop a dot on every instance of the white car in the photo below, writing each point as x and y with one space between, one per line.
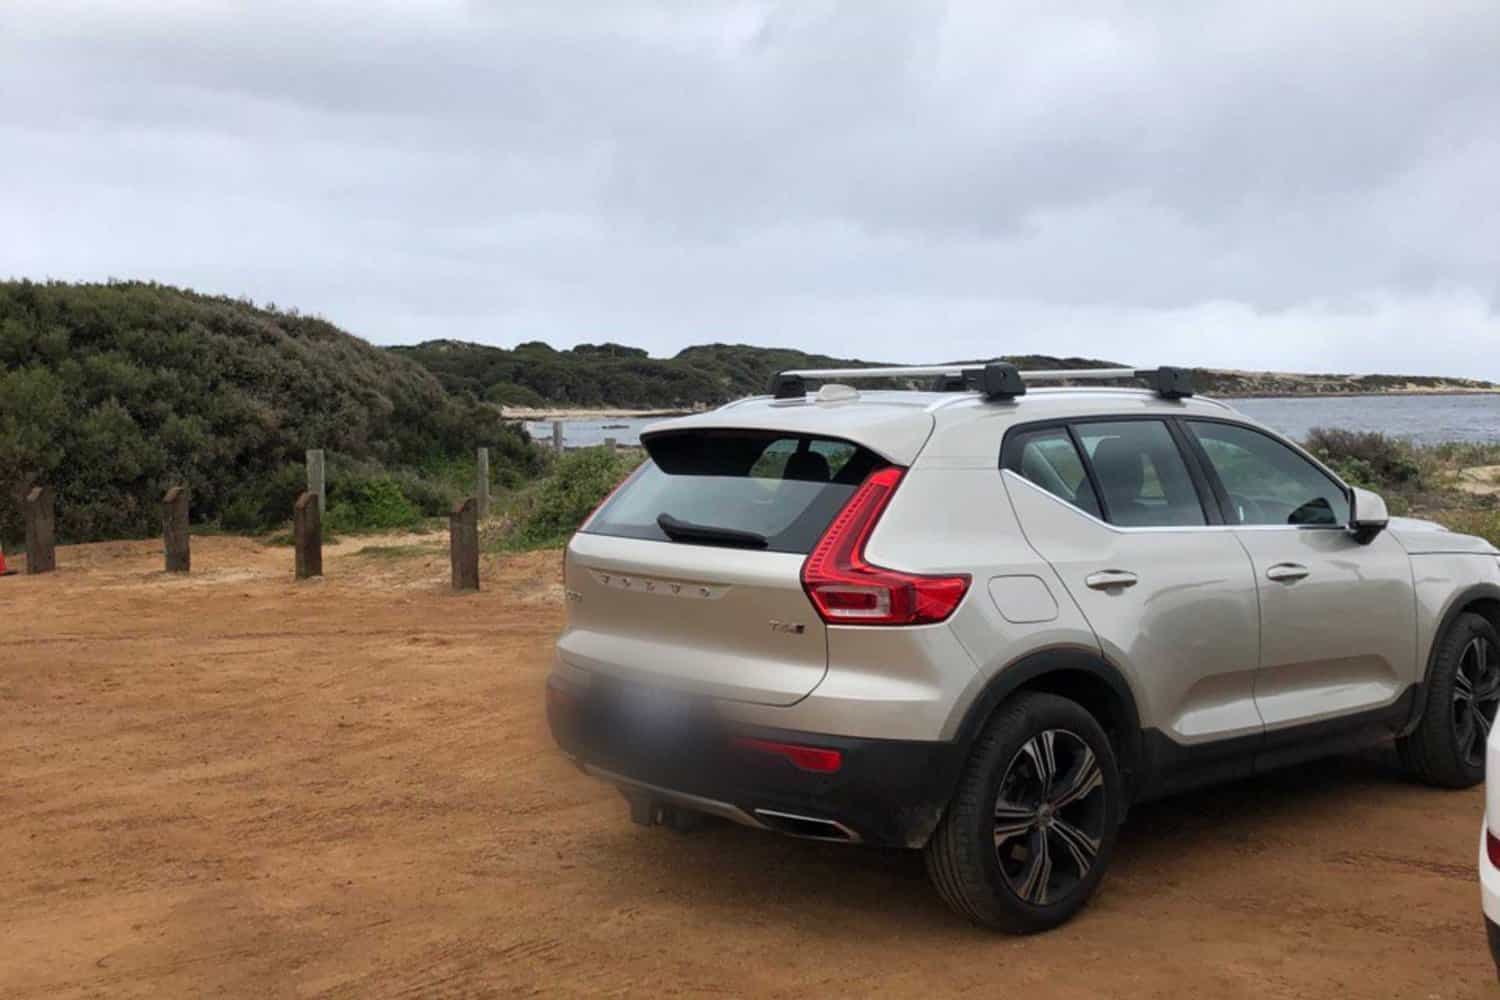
1489 847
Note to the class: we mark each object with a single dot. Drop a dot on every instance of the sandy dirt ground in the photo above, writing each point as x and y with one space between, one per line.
234 784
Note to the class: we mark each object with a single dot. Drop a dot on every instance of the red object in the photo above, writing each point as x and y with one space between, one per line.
847 589
819 759
1492 845
3 570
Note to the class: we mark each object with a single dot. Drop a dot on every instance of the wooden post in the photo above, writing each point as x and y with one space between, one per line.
41 530
482 494
174 530
610 444
315 479
463 544
307 529
557 436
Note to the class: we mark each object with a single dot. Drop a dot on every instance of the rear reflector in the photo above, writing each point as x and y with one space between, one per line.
1492 845
847 589
818 759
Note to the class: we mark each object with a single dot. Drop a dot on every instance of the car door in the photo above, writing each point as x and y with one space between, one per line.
1112 506
1338 618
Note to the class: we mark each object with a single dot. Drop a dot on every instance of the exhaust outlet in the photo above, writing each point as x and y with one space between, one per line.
808 827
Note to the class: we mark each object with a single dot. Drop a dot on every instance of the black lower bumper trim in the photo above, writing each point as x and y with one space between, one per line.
885 792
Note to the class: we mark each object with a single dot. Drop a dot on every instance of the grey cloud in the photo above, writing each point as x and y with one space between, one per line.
1293 186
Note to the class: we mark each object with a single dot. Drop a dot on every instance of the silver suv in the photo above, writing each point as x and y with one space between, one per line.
984 622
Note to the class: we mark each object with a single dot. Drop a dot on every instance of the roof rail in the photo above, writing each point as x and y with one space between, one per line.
996 379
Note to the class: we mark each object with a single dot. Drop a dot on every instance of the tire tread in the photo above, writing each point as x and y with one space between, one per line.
1428 753
953 867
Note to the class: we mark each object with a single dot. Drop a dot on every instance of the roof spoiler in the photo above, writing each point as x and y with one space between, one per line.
995 379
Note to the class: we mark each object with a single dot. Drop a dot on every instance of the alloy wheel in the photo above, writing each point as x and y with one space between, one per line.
1050 815
1476 694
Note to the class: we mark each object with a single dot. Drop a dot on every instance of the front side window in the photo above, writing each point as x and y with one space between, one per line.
1141 473
1048 459
1268 482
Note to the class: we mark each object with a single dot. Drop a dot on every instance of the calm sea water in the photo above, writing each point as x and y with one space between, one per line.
1424 419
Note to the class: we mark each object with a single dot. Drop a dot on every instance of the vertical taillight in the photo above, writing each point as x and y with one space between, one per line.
847 589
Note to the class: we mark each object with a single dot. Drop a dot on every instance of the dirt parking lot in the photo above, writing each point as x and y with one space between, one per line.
235 784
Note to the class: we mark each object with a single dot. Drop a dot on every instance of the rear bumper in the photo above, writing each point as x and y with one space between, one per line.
885 792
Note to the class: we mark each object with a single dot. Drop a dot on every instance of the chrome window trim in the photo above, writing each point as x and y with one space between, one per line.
1159 529
1181 420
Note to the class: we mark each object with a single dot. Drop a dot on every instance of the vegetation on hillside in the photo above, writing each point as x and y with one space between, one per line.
610 375
113 392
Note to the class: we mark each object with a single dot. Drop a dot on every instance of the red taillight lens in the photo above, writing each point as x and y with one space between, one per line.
1492 844
848 590
819 759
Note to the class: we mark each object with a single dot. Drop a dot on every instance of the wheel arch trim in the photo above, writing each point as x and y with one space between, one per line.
1458 604
1055 661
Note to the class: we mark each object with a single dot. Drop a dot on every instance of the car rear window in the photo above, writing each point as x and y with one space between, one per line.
782 488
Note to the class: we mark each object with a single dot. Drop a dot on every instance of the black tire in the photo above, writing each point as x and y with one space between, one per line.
1447 747
990 875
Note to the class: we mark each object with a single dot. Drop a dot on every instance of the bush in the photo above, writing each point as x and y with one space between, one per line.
560 502
372 505
1368 458
113 393
432 497
265 503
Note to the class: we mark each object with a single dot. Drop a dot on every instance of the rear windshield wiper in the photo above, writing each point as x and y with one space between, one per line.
684 531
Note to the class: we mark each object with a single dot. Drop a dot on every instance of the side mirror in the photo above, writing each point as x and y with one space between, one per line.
1368 517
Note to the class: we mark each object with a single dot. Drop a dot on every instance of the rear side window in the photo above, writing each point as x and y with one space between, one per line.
750 489
1048 459
1141 473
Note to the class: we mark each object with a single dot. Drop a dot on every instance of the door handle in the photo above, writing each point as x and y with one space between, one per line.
1109 578
1286 572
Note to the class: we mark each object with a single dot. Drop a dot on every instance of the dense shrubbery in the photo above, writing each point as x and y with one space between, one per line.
375 505
1368 458
551 511
112 393
1426 480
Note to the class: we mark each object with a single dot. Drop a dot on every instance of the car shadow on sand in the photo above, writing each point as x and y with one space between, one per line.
726 867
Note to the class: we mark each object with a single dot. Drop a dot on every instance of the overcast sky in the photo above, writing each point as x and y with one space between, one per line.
1304 186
